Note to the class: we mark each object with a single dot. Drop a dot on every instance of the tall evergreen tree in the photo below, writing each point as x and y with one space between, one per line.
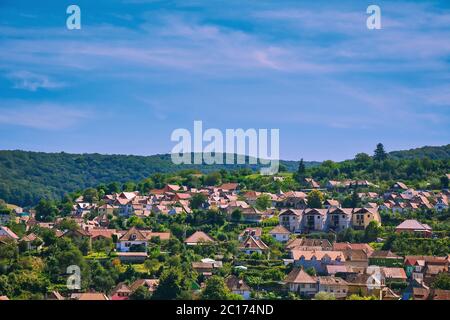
380 154
301 171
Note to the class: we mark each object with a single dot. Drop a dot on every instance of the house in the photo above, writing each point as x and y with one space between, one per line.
254 232
32 241
317 259
309 244
251 245
339 219
121 292
280 233
385 258
150 284
414 226
132 240
105 210
311 183
356 254
370 283
7 233
55 296
97 296
204 268
302 283
396 275
199 238
331 203
251 215
291 219
294 199
313 220
229 187
337 286
171 188
333 270
441 203
363 216
399 186
238 286
132 257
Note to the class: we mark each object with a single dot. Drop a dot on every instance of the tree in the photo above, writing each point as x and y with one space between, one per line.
311 271
355 201
263 202
46 211
198 200
215 289
141 293
236 215
300 174
322 295
379 153
90 195
444 182
315 199
213 179
441 281
170 285
372 232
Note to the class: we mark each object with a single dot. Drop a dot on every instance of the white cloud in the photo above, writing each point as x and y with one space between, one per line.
46 116
32 81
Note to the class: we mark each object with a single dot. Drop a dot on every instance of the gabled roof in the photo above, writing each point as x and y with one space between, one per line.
234 284
9 233
317 254
413 225
394 273
229 186
290 212
297 275
151 284
128 236
252 243
279 230
256 232
198 237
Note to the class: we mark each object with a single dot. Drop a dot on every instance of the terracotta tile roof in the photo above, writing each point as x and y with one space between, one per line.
394 273
89 296
308 255
252 243
256 232
198 237
279 230
297 275
133 234
413 225
330 280
441 294
151 284
229 186
8 232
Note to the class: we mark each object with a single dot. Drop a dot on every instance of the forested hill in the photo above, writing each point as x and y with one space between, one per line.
25 176
433 153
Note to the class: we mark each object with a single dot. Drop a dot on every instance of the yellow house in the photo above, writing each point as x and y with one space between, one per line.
361 217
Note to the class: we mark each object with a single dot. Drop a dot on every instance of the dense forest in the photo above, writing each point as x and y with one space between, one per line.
26 177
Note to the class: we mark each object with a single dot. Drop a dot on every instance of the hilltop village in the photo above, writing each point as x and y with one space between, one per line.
343 239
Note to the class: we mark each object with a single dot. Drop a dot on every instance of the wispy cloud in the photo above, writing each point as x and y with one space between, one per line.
32 81
45 116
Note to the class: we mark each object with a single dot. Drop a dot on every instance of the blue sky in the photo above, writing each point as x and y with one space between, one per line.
138 69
